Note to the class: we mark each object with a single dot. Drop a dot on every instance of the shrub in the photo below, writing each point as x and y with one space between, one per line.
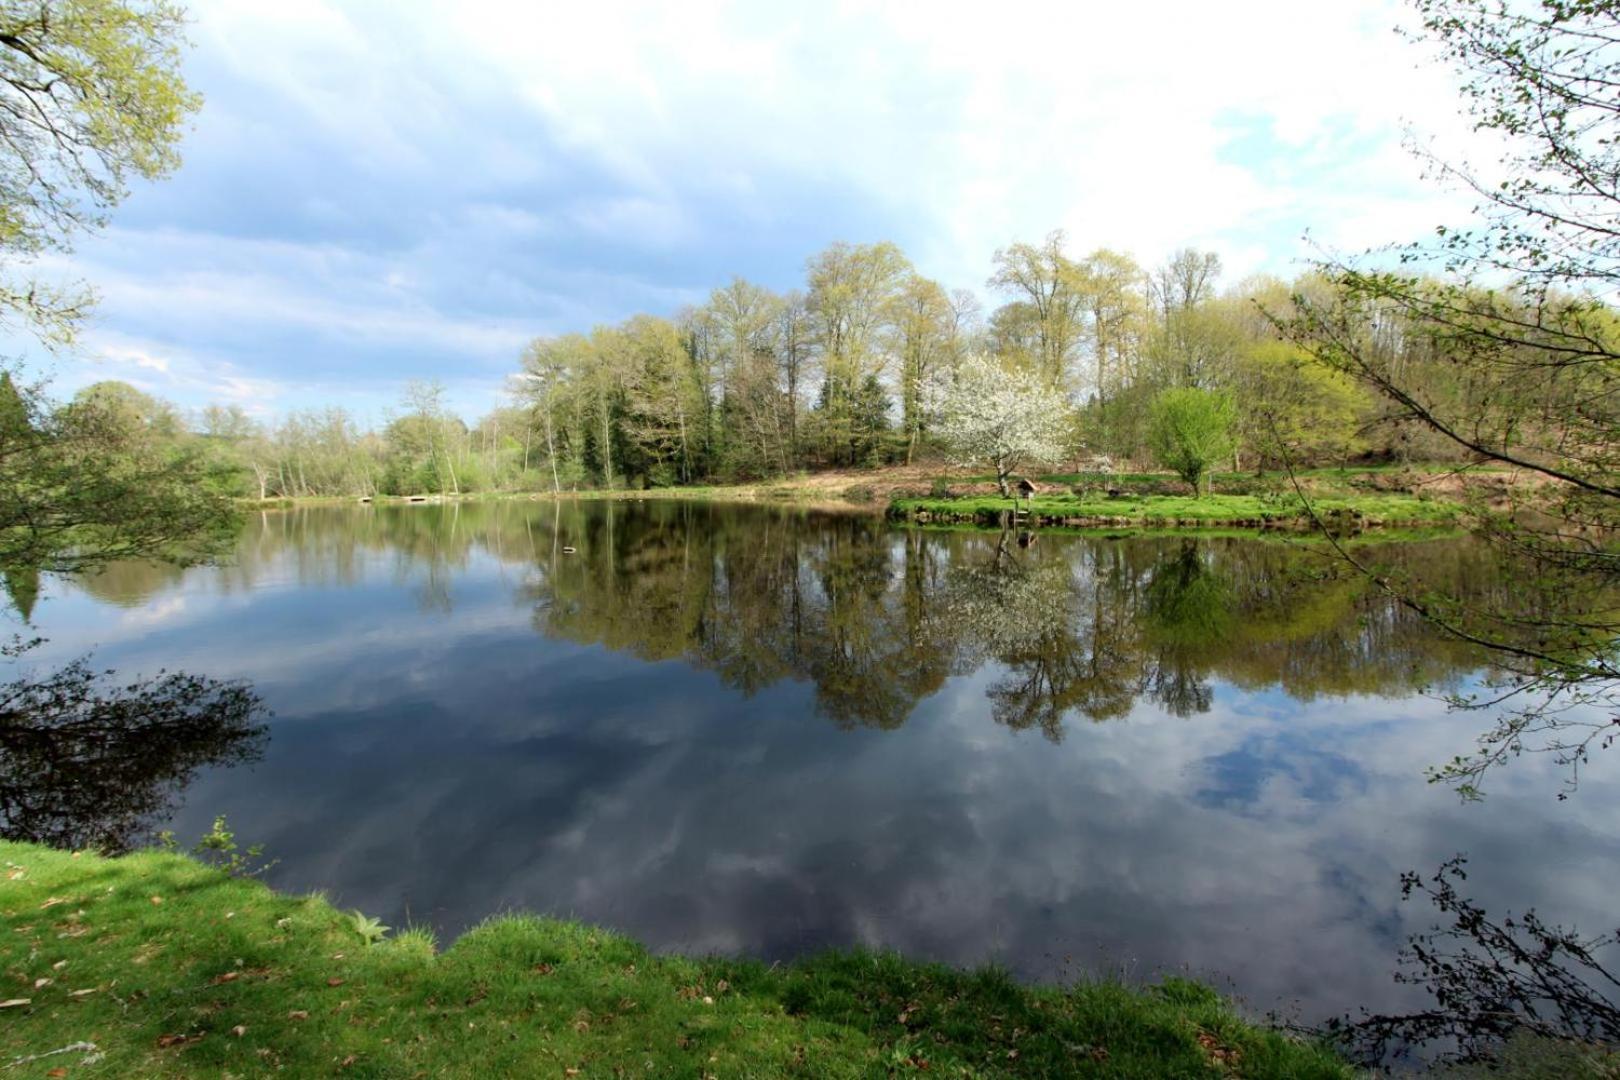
1189 430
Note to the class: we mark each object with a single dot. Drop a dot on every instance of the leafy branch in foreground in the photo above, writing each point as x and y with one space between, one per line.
1512 356
90 95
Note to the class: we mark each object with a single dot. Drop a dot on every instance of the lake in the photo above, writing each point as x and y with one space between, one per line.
768 731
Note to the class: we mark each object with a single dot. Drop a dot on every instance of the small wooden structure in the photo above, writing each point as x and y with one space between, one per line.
1026 491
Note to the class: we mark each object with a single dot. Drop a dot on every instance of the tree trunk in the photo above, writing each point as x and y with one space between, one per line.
551 453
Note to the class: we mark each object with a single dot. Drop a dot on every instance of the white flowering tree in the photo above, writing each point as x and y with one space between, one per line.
1002 418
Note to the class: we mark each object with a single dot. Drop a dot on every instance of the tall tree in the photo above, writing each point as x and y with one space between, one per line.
851 292
1192 338
1049 282
794 346
662 397
1112 291
543 384
925 327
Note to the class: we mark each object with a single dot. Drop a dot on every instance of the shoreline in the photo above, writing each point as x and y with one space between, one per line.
1342 515
1346 514
164 964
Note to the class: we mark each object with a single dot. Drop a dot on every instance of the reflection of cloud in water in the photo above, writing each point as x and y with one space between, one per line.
165 610
637 735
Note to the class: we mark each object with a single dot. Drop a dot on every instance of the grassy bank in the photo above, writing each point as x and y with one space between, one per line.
1351 512
154 964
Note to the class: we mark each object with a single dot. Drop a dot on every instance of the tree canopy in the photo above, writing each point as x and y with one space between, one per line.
91 95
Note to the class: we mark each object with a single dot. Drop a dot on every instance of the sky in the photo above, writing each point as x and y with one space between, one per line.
384 190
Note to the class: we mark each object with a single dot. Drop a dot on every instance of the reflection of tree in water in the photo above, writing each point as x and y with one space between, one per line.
86 765
1019 610
877 618
1492 982
1189 606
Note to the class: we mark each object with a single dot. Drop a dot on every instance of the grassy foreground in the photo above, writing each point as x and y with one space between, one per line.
155 965
1184 511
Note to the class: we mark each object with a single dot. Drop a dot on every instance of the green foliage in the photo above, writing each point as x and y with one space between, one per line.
370 928
1499 341
218 848
92 95
1249 511
1190 430
101 479
1298 410
219 975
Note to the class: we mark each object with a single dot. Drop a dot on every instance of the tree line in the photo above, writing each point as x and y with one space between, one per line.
1088 358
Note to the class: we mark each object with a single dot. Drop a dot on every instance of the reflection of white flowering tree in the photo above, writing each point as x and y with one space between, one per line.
1005 605
1002 418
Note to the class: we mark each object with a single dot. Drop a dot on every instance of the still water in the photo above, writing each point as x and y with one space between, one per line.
746 729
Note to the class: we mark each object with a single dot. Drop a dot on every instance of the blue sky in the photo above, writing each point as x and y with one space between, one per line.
380 190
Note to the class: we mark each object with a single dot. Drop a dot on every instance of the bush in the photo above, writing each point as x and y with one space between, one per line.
1190 430
939 489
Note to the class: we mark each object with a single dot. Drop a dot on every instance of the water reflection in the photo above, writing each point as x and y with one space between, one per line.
745 728
87 765
876 619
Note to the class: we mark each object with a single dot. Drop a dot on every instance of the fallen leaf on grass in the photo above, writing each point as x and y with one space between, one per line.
1218 1053
14 1002
40 984
157 899
346 1062
166 1041
239 1030
298 1014
229 976
57 1072
334 982
81 993
52 902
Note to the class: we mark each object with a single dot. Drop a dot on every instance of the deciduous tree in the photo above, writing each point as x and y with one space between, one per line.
1002 418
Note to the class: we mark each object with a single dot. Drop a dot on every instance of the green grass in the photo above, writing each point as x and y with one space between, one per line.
1323 473
171 968
1183 510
